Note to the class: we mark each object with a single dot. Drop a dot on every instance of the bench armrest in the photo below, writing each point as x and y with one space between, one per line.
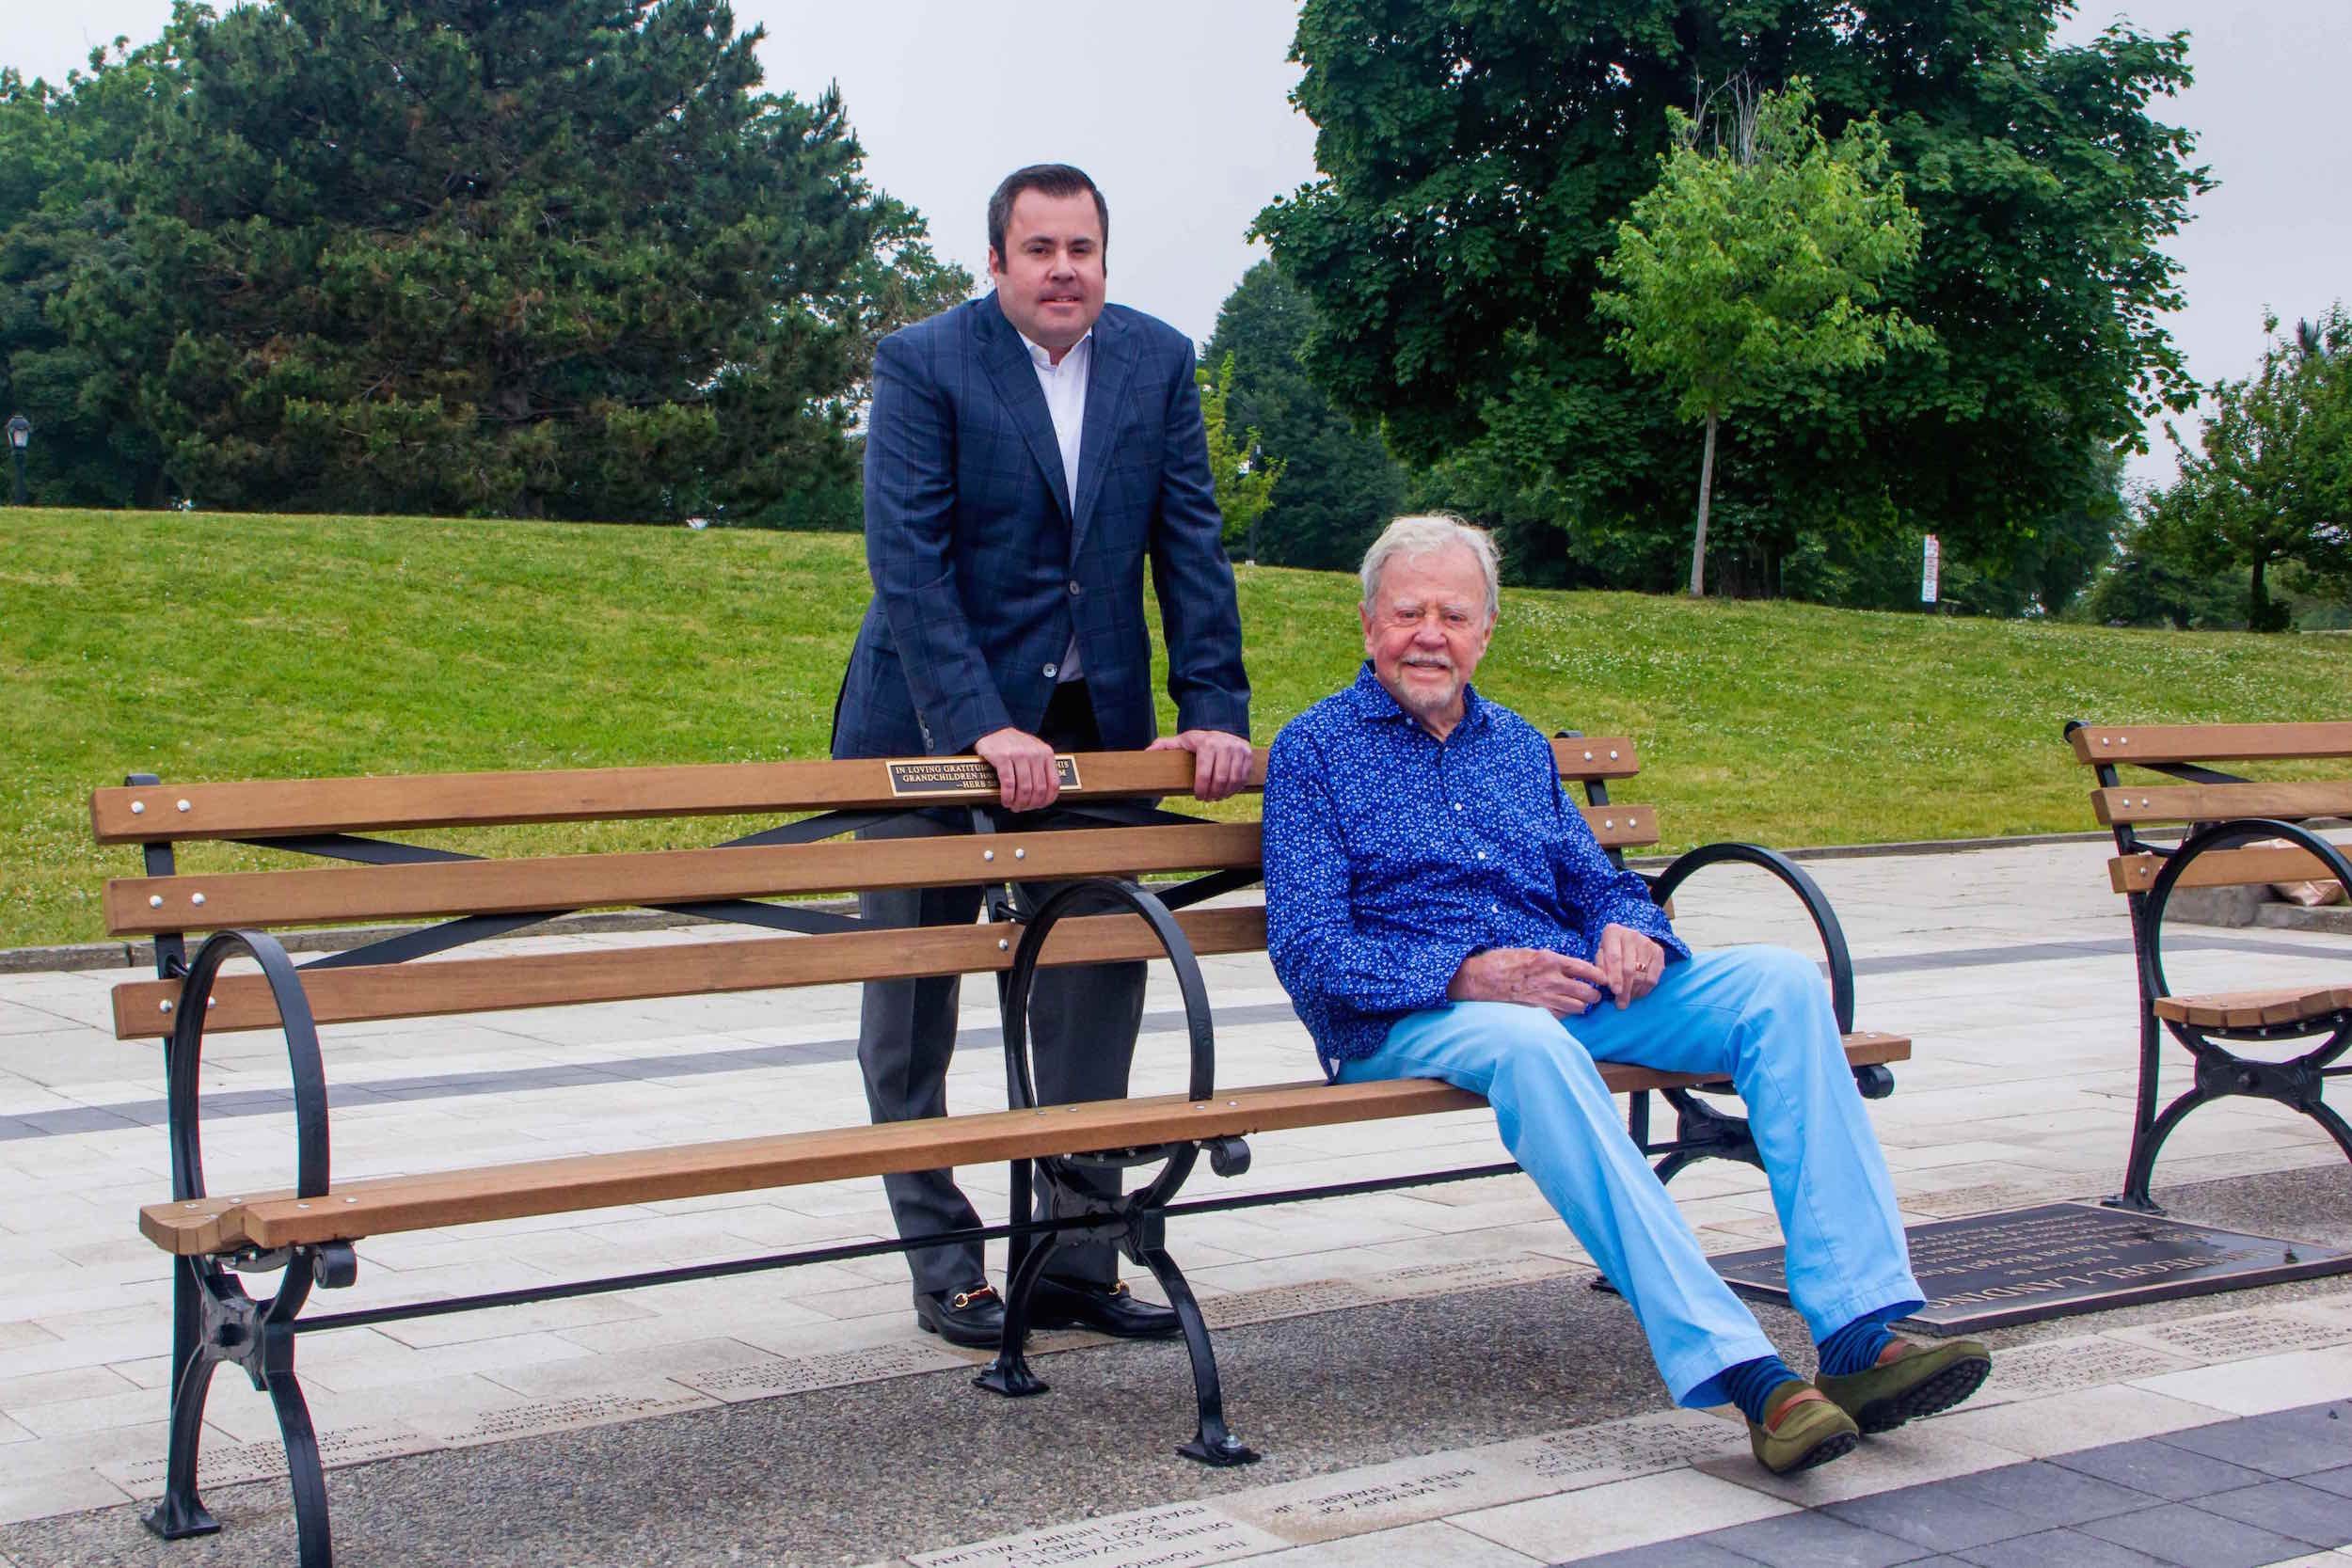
1200 1029
1808 892
185 1052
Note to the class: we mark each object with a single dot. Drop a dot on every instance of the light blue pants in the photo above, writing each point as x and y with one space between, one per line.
1759 1016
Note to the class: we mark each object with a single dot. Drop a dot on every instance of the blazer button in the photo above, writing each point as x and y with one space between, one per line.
1052 670
1075 588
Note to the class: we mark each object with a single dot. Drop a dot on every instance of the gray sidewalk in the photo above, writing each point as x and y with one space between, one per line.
1426 1370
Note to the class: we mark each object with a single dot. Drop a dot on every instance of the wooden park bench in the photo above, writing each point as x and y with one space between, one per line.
309 1229
2235 833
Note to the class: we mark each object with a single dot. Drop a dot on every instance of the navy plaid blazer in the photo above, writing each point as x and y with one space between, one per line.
983 565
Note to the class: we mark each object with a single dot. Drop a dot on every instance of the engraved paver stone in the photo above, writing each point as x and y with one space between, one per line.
798 1374
226 1464
1171 1537
2064 1366
1383 1496
1620 1451
2239 1335
523 1420
1284 1301
1429 1279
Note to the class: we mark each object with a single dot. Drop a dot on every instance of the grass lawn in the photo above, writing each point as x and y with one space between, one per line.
203 646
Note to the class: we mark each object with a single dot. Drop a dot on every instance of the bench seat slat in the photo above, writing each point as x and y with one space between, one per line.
429 989
2251 1010
2127 743
2220 802
290 808
353 1211
2221 868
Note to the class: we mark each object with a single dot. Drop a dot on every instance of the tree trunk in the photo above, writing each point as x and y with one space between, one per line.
1707 485
2261 613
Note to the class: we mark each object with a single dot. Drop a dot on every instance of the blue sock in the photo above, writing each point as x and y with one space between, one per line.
1854 1348
1751 1382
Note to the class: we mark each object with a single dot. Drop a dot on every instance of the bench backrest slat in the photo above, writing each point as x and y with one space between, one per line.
533 885
373 991
142 906
2219 868
2222 802
272 899
2147 744
146 813
2130 804
293 807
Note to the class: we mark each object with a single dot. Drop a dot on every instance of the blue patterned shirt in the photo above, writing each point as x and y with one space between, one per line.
1392 856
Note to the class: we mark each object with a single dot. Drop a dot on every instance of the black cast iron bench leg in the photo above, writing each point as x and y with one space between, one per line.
1136 1220
213 1319
1212 1444
2220 1073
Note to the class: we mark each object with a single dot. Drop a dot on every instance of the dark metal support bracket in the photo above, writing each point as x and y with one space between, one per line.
214 1319
1135 1221
1703 1133
2220 1074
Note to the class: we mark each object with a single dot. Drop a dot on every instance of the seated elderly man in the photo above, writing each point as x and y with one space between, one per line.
1437 908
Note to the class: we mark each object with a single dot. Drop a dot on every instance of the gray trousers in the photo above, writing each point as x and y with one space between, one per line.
1082 1036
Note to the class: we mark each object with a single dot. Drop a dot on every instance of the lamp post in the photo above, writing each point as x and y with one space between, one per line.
20 436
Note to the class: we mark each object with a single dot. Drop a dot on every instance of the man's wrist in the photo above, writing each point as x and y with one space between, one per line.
1223 723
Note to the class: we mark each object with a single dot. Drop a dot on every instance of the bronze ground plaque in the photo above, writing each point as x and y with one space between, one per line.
1987 1271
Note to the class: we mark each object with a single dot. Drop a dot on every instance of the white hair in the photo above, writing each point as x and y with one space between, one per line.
1427 535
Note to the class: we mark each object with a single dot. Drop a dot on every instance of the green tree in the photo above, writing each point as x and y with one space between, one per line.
560 258
1476 160
2270 483
2153 580
1340 486
62 153
1244 476
1752 268
2046 575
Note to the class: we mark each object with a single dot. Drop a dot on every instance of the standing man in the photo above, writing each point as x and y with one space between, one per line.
1026 453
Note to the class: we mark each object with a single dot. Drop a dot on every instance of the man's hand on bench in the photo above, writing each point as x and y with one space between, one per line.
1560 985
1220 762
1024 767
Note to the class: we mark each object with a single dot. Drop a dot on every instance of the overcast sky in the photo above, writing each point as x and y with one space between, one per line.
1181 113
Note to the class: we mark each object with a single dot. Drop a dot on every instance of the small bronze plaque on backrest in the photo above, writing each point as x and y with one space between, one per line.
960 775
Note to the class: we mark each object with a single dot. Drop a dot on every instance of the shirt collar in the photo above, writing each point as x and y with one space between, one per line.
1044 360
1372 702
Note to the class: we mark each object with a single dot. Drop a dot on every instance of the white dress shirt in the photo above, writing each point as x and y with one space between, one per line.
1065 388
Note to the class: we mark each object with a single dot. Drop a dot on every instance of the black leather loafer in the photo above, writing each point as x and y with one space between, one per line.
974 1318
1105 1308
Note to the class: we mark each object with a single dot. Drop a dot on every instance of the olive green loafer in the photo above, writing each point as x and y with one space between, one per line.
1919 1380
1797 1437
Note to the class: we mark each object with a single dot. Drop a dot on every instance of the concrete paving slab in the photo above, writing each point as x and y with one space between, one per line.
1621 1513
1430 1546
